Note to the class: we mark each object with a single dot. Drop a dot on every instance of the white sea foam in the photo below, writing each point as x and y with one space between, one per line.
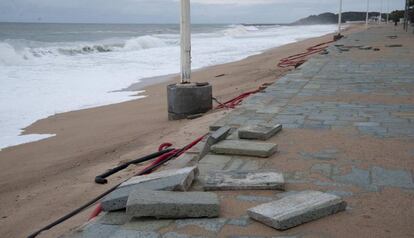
40 79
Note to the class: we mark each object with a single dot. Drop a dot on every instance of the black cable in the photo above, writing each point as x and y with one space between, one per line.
101 179
96 199
220 103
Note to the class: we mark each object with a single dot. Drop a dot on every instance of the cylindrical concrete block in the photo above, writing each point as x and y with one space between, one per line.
188 99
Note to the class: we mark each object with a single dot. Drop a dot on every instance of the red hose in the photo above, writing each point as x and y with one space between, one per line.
232 103
160 159
96 211
298 59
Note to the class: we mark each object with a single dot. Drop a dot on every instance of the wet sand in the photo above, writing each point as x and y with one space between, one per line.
44 180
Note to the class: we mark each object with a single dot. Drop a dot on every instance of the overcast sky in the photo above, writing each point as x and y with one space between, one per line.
167 11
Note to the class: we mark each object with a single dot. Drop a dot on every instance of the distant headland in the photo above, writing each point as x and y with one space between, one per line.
331 18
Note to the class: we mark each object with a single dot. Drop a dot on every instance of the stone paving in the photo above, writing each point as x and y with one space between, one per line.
348 130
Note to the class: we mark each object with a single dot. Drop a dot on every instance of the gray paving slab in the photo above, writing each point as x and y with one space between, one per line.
392 178
135 234
245 147
170 180
259 132
297 209
209 224
167 204
244 180
114 218
94 230
145 224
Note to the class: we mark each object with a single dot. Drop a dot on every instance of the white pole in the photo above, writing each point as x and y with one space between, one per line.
185 30
380 15
340 17
367 17
388 10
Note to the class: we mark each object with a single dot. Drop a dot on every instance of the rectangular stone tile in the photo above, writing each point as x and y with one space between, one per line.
244 180
259 132
246 148
392 178
174 179
114 218
166 204
297 209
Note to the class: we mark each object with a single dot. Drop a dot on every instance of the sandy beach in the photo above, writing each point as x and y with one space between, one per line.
44 180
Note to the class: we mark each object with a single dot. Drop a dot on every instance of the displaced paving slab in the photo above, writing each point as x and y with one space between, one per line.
259 132
169 180
244 180
214 138
245 147
167 204
297 209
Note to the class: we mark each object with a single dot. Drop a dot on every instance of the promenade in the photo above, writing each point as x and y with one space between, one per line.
348 129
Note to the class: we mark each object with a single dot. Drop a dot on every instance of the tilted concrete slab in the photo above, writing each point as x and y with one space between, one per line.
244 180
170 180
259 132
167 204
219 134
214 138
245 147
297 209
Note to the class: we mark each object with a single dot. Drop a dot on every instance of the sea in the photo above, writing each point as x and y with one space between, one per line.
47 69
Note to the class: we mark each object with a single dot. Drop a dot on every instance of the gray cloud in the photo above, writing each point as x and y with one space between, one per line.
166 11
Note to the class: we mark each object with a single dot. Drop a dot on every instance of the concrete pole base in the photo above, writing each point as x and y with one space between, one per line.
188 99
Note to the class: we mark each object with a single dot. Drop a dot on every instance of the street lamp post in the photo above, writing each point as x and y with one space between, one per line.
380 14
388 11
187 99
340 18
367 16
406 16
185 29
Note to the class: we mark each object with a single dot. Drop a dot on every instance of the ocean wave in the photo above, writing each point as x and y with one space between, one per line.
14 54
144 42
8 55
239 30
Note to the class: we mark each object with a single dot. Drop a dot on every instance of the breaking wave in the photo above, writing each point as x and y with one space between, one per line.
10 54
239 30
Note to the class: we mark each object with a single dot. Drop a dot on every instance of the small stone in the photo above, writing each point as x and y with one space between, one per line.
166 204
365 47
244 180
170 180
297 209
246 148
259 132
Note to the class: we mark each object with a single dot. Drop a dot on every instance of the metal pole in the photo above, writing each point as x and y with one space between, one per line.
185 30
340 17
388 11
367 17
406 16
380 15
